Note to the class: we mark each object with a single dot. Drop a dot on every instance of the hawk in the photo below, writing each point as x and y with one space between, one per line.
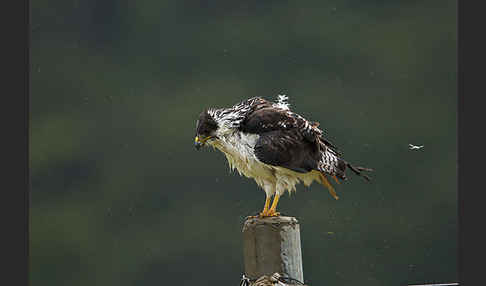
275 146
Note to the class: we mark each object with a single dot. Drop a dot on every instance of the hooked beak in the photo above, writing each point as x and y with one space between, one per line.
199 142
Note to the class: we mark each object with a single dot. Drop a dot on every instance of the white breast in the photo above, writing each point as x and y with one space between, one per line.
239 151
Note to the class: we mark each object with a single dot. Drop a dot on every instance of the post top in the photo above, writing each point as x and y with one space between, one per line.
274 221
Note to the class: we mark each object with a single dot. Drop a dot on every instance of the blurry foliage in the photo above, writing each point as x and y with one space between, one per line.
119 196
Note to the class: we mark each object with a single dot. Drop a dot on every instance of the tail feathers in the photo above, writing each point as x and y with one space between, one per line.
340 174
357 170
341 168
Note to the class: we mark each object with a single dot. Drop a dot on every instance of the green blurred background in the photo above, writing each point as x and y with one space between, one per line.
119 196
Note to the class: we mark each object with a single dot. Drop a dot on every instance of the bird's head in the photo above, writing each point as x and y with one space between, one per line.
206 128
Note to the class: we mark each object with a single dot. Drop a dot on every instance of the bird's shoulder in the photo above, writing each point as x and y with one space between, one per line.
266 117
263 116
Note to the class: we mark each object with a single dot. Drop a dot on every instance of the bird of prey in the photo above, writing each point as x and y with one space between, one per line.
275 146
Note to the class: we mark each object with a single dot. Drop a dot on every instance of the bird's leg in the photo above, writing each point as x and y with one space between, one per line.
273 209
265 208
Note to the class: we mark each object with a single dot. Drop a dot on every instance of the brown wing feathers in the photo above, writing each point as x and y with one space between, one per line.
289 140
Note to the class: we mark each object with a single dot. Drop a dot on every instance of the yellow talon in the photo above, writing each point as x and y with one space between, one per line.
273 209
274 213
267 210
264 213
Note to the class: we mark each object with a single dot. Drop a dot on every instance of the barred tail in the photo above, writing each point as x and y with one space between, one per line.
340 174
356 169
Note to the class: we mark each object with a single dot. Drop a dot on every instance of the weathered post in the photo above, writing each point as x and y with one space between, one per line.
272 245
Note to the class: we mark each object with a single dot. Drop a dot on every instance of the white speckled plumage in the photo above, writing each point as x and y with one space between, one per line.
238 148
